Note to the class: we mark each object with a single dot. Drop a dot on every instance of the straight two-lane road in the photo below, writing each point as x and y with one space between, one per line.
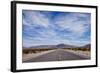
56 55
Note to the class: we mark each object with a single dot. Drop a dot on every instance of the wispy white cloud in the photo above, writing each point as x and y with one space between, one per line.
35 18
73 23
47 28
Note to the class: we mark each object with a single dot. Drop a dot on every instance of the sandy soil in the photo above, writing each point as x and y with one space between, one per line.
86 54
26 57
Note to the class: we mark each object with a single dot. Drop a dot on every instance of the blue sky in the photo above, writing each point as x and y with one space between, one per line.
51 28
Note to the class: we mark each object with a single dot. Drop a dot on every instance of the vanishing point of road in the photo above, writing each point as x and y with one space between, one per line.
56 55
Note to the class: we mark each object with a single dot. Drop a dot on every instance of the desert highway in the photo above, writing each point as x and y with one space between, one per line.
56 55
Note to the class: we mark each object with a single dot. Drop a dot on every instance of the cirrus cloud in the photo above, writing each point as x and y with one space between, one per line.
45 27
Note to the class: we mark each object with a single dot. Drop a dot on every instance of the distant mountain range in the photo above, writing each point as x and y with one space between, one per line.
59 46
86 46
64 46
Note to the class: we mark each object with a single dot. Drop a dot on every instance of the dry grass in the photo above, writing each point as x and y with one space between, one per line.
85 53
28 56
79 49
28 53
33 50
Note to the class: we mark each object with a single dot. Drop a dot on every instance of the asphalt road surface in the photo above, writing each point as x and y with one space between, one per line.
56 55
